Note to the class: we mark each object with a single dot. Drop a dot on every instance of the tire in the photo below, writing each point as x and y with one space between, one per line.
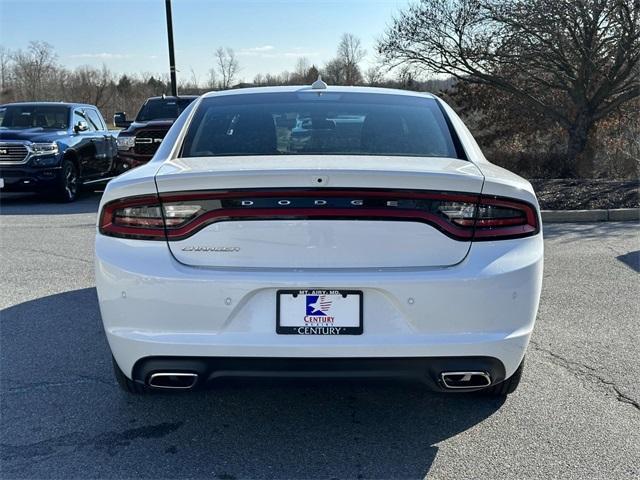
126 384
508 386
68 183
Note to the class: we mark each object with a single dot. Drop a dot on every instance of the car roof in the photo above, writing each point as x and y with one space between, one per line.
329 89
51 104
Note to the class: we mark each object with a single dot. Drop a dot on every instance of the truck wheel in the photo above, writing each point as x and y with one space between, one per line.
68 183
125 383
508 386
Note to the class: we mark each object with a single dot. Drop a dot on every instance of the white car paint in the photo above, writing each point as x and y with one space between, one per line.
451 299
318 244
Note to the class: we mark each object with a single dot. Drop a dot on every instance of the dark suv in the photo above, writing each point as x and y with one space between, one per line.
141 138
54 148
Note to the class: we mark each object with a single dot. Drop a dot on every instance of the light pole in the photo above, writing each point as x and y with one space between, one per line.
172 57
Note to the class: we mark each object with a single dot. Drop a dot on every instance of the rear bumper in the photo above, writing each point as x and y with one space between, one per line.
425 370
154 306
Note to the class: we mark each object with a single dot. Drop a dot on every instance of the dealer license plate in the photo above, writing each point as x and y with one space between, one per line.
319 312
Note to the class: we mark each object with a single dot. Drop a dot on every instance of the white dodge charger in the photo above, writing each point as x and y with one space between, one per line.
329 231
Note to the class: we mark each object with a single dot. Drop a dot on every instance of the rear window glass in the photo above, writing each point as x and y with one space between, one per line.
308 123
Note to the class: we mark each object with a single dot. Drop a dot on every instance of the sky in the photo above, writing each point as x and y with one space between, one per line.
129 36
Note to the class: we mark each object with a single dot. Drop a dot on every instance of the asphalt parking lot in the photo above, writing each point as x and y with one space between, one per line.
575 415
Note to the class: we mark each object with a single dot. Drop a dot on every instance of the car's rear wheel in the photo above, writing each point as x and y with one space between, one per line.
508 386
125 383
68 183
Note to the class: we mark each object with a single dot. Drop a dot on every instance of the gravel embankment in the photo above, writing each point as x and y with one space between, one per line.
581 194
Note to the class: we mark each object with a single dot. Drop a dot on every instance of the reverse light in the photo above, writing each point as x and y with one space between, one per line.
460 213
177 214
461 216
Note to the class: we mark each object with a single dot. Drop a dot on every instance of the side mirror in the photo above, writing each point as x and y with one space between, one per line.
81 126
120 120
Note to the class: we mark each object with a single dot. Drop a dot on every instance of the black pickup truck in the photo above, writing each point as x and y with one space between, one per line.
140 139
54 148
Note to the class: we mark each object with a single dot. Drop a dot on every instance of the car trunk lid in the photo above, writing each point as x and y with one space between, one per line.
317 211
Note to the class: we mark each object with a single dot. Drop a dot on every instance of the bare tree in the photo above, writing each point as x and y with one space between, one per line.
270 79
374 75
195 81
33 69
351 53
574 61
406 76
311 75
5 61
284 78
302 67
228 66
104 87
334 73
299 74
212 79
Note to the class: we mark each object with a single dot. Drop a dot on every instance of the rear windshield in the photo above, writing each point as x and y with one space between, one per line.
34 116
308 123
162 109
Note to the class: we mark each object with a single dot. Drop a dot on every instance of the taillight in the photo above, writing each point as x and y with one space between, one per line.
143 217
500 218
461 216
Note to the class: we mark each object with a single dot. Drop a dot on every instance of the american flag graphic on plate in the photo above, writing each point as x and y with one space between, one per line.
318 305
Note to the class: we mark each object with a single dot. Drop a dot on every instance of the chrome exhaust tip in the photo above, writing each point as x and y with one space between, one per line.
173 380
458 380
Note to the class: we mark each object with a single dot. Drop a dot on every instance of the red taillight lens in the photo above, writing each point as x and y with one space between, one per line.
133 217
499 218
492 218
460 216
143 217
